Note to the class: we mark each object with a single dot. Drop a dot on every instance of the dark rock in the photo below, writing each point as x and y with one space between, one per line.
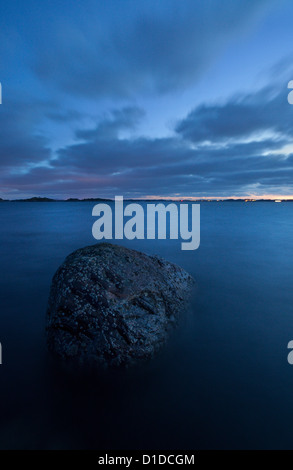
113 306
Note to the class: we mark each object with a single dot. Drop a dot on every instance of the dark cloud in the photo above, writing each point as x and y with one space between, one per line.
118 120
117 48
20 144
233 147
119 155
246 135
241 117
163 166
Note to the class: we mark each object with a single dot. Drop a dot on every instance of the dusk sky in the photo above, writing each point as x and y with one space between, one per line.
146 98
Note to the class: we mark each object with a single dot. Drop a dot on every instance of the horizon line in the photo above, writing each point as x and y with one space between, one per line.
268 197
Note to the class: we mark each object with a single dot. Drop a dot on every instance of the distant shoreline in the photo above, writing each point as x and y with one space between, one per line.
45 199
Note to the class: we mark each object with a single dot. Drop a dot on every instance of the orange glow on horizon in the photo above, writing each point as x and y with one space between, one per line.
272 197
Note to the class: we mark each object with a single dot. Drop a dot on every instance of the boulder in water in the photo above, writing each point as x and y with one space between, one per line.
113 306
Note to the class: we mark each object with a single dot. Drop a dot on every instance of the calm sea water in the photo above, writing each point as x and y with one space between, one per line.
223 380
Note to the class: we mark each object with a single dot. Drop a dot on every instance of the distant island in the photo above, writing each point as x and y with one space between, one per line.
47 199
99 199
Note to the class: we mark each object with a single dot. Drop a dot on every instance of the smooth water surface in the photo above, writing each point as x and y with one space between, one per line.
223 380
